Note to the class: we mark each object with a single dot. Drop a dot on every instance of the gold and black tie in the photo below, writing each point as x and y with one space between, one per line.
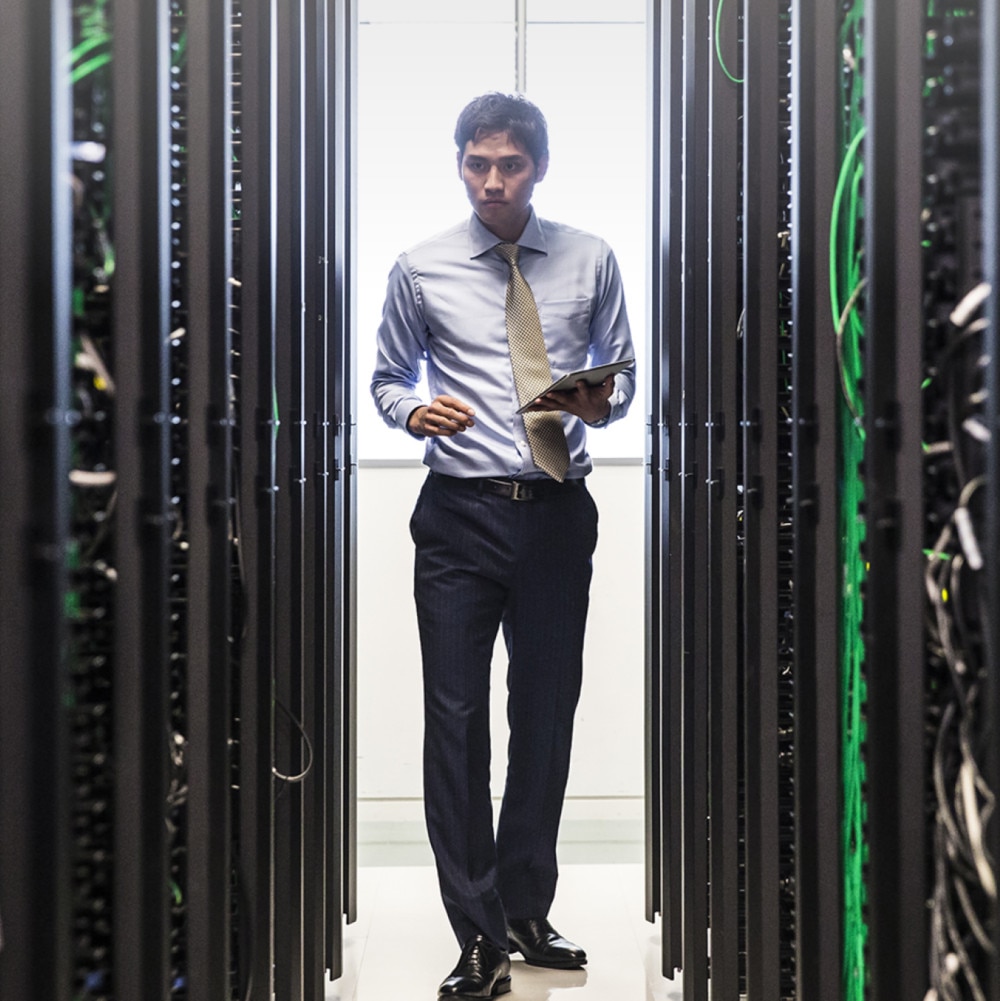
532 372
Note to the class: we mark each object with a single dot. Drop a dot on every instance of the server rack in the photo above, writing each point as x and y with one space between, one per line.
290 752
141 67
314 401
258 495
892 403
35 283
342 389
653 498
815 86
850 822
722 477
761 501
688 412
957 659
210 495
663 702
172 328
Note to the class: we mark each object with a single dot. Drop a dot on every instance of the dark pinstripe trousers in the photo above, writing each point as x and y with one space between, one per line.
483 563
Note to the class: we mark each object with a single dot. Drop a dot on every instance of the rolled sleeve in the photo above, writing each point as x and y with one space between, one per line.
401 347
611 336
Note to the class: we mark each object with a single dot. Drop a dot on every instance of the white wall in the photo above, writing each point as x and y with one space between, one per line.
606 777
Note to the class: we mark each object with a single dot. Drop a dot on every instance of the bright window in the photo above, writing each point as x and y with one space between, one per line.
418 65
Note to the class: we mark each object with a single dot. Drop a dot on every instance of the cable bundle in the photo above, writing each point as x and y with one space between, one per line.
847 284
964 878
959 802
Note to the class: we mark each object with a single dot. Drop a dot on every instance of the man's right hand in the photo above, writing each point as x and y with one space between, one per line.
445 417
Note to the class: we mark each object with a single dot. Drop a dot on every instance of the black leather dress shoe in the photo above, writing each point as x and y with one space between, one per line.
542 945
482 972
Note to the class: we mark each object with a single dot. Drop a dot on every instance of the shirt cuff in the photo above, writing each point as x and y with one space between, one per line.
406 426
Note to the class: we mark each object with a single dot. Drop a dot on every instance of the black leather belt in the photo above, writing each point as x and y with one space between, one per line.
516 490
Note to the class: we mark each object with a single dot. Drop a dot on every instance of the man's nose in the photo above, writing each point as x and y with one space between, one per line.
494 179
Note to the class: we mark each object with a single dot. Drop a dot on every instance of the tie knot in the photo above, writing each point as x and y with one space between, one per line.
508 251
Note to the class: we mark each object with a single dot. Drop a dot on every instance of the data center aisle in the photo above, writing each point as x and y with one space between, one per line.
401 946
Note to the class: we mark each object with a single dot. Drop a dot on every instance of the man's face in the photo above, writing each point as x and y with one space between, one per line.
500 176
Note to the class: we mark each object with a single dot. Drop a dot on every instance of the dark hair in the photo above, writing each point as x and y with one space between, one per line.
510 113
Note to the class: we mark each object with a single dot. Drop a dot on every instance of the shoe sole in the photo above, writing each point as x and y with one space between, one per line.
502 986
563 964
576 964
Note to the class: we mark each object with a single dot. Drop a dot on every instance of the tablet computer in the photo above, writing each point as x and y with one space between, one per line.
592 376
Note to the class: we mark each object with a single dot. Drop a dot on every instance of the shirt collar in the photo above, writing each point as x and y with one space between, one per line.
481 240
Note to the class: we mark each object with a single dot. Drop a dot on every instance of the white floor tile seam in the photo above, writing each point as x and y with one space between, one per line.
401 946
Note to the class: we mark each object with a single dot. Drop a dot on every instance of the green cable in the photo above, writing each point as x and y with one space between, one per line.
90 66
842 240
94 34
180 50
853 697
88 45
838 197
846 266
854 278
718 44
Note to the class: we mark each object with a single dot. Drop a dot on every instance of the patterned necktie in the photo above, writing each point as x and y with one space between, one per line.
532 373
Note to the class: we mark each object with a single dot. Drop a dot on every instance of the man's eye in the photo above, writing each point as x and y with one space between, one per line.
512 168
475 165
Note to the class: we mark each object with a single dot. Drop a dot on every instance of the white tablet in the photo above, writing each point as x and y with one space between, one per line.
592 376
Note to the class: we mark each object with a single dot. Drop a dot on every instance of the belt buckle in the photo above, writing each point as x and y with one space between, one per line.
520 491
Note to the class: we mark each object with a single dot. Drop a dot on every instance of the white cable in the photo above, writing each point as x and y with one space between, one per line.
967 536
95 363
977 429
972 300
92 478
973 823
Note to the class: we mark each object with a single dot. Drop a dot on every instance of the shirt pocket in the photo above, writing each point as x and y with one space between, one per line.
565 310
566 328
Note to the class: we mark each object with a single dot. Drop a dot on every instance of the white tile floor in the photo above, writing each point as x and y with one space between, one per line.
401 946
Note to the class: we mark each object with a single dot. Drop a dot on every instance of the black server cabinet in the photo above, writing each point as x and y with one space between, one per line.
35 324
209 204
663 691
892 472
140 334
178 536
257 494
815 92
821 648
761 500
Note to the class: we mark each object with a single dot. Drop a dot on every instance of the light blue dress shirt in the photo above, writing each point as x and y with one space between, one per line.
445 306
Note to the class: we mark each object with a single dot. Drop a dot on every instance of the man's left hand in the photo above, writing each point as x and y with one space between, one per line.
589 403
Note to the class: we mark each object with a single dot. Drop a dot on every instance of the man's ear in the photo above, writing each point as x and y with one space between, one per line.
458 160
543 166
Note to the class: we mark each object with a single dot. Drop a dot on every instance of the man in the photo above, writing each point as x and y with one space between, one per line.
504 527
